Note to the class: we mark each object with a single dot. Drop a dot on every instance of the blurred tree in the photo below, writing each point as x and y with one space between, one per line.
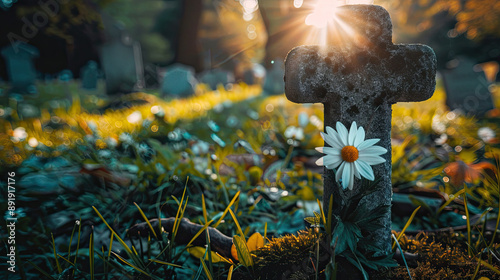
65 32
450 27
141 22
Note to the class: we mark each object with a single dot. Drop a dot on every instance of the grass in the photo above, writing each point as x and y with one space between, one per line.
126 171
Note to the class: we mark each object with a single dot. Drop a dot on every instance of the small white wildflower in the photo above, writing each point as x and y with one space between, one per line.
486 134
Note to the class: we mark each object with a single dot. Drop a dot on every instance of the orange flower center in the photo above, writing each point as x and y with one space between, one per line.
349 153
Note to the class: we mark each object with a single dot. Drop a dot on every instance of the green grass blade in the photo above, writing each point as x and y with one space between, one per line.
55 254
178 216
71 240
402 255
406 226
227 209
91 255
265 233
230 273
129 264
205 268
469 238
457 194
209 252
322 212
78 242
199 232
166 263
130 253
329 218
240 232
127 248
492 268
146 219
65 259
204 208
41 271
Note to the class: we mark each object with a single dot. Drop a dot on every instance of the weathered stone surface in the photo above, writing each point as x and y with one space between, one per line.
358 79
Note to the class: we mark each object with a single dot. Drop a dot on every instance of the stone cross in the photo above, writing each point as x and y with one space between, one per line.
358 78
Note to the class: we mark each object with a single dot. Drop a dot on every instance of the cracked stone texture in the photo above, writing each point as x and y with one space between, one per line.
358 79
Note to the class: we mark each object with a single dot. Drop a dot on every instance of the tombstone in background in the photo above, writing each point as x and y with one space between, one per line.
121 60
179 81
466 89
254 75
274 83
22 73
151 79
65 76
89 75
215 77
358 79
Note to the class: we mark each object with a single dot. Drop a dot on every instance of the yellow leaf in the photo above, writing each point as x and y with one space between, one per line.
234 253
199 252
484 278
255 242
242 251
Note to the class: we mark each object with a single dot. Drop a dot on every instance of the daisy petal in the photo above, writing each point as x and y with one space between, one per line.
360 136
335 163
355 170
319 149
335 136
371 160
367 143
346 176
331 151
365 170
343 133
352 134
319 162
374 151
328 139
338 175
331 160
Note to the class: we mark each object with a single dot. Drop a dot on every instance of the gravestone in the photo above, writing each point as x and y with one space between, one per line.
65 76
273 83
179 81
89 75
20 67
467 90
254 75
358 79
216 77
121 61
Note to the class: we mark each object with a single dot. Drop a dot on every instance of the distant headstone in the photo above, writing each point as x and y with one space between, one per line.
65 75
466 89
89 75
20 67
121 60
274 83
254 75
216 77
179 81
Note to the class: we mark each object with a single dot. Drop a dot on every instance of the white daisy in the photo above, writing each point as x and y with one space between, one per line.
351 153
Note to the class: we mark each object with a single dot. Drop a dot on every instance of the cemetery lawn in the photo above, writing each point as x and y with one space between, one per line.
92 170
